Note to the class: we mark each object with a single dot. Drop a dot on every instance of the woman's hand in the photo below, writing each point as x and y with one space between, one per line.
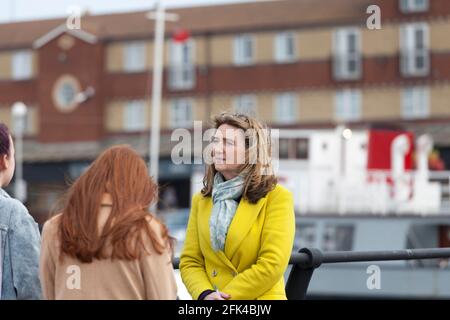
217 295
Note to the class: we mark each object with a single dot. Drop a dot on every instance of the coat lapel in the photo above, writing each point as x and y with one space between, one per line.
204 214
241 224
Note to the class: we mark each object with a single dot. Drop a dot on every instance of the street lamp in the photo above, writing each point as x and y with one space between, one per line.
160 17
19 113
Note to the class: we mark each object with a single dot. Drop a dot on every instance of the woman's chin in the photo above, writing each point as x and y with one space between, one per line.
223 168
220 167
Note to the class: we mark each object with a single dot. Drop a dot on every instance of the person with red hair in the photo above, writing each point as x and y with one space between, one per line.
104 243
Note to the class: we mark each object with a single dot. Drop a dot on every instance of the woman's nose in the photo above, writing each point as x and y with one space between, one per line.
219 151
219 148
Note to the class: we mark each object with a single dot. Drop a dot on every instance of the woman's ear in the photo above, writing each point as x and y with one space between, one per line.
4 164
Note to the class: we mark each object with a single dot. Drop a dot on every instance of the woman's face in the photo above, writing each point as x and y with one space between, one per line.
228 150
8 165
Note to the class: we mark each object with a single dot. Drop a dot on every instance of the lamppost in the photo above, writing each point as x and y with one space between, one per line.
160 17
343 135
19 112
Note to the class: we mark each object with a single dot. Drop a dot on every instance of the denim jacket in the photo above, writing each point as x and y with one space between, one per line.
19 251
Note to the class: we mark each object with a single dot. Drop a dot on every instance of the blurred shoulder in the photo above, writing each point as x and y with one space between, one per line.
159 232
279 191
199 197
51 225
11 204
13 212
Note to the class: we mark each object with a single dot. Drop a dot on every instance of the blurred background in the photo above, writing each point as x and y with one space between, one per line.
360 95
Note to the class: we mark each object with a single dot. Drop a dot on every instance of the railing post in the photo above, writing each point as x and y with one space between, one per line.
301 274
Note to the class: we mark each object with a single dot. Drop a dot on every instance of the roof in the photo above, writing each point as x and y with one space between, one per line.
199 20
36 152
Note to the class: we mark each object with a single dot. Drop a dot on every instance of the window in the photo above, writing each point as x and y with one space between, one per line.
181 113
22 66
347 54
285 47
65 91
415 60
293 148
415 103
283 148
408 6
301 148
134 117
67 94
338 238
134 56
422 236
348 105
182 70
286 108
306 236
246 104
244 49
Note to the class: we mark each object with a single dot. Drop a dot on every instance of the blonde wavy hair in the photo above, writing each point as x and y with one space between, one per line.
257 170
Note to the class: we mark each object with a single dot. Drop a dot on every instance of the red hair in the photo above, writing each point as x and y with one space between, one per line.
122 173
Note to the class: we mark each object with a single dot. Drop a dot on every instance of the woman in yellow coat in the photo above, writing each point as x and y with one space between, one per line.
241 227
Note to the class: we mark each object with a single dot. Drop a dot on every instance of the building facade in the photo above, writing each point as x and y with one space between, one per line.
293 64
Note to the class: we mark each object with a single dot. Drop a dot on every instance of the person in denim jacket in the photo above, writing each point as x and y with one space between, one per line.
19 235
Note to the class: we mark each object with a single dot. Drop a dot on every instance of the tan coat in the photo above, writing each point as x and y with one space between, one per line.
150 277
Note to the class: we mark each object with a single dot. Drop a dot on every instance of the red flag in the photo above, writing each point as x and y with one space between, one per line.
181 35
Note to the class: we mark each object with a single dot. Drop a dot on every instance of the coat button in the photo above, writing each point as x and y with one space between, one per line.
234 273
214 273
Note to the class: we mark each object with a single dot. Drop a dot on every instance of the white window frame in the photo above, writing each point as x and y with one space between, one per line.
348 105
134 118
410 6
282 55
286 108
22 65
240 57
246 104
410 51
416 103
182 67
343 56
134 56
181 113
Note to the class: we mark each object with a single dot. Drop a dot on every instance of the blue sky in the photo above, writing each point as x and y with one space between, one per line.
19 10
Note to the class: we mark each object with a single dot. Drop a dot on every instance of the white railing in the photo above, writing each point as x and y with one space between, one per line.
374 192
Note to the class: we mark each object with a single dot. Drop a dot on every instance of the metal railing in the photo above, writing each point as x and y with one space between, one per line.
308 259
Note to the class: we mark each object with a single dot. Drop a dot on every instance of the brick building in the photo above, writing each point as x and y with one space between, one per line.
293 63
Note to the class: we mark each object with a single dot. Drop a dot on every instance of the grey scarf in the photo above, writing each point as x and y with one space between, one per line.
224 195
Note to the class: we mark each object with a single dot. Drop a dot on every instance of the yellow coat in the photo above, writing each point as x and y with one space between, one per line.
257 248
